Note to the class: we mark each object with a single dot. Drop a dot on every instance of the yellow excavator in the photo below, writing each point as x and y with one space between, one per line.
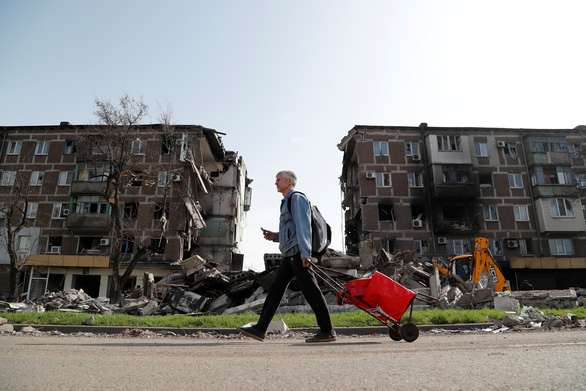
479 268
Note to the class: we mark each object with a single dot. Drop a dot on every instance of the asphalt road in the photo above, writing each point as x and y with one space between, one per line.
535 360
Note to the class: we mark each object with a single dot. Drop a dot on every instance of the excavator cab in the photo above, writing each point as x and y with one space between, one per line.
462 267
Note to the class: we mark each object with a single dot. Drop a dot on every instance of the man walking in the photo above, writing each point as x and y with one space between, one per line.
294 237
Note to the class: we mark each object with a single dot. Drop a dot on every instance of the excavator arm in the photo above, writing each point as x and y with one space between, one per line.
483 262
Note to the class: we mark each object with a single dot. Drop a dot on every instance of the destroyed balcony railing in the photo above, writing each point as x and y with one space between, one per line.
455 226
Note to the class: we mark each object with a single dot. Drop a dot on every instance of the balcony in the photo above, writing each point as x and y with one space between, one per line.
68 260
85 187
455 225
89 221
563 191
455 190
549 158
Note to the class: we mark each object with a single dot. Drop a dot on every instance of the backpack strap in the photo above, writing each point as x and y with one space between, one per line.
289 200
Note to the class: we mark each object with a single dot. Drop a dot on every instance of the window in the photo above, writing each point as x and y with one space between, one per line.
60 210
548 144
381 148
65 178
455 173
131 210
420 246
24 243
511 150
415 179
8 178
561 207
383 179
561 247
168 144
162 180
139 147
386 212
69 147
481 149
458 247
495 246
37 178
550 175
90 173
42 148
515 181
448 143
128 246
31 210
54 244
525 247
411 148
90 204
89 245
490 213
580 181
521 213
14 147
159 245
485 179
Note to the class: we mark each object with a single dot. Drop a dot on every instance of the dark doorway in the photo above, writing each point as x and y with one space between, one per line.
90 284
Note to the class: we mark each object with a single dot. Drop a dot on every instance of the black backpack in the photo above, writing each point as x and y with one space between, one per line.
321 233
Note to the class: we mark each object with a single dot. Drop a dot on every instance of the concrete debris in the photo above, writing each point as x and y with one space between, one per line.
530 318
201 288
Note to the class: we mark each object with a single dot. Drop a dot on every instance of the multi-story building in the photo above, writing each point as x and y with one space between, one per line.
188 196
432 190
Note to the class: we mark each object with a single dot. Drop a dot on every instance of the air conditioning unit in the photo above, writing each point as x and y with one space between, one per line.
104 242
65 212
56 249
442 240
500 144
417 223
370 174
176 177
512 243
416 158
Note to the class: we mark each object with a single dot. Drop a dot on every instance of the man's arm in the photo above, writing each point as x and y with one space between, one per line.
301 212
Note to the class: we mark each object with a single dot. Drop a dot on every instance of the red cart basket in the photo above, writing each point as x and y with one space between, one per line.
381 297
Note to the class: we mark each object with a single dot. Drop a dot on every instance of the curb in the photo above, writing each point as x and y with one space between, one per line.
73 329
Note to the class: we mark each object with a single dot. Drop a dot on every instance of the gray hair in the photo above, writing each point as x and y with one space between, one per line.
288 174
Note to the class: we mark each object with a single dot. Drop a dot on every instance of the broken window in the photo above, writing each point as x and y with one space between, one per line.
453 173
526 246
69 147
420 246
411 148
131 210
89 245
168 144
383 179
485 179
136 178
511 150
90 204
386 212
128 246
495 246
381 148
37 178
448 143
54 244
388 244
561 207
159 245
458 247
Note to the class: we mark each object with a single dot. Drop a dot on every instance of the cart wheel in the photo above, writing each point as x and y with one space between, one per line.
409 332
395 333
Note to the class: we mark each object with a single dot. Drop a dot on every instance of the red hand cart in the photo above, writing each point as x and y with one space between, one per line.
380 297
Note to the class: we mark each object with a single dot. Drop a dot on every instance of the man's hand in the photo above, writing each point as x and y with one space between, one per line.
306 262
268 235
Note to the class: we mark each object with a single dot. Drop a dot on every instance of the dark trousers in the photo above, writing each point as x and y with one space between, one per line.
293 267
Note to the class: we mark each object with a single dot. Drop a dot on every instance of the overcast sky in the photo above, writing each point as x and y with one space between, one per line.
287 80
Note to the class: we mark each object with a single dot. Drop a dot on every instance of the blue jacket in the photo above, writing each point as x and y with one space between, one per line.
295 228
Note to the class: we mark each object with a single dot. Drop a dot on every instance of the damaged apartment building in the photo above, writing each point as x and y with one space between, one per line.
433 190
188 195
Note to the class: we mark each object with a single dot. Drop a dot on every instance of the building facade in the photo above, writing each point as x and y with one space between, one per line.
187 196
433 190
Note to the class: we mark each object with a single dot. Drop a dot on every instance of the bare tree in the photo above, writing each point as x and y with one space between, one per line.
14 205
110 150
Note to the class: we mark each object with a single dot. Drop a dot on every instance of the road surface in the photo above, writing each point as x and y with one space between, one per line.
535 360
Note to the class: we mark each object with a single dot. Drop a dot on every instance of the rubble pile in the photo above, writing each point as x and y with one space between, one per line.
533 319
200 287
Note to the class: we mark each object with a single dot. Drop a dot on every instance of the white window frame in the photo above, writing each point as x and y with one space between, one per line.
8 178
65 178
515 181
449 143
37 178
58 208
24 243
383 179
459 246
411 148
490 213
523 250
521 212
139 147
14 148
68 147
415 179
561 247
31 210
481 149
380 148
42 148
495 246
419 245
559 207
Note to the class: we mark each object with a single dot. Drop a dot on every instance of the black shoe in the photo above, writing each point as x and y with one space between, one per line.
252 333
323 337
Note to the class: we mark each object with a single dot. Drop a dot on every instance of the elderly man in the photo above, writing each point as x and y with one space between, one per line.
294 237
